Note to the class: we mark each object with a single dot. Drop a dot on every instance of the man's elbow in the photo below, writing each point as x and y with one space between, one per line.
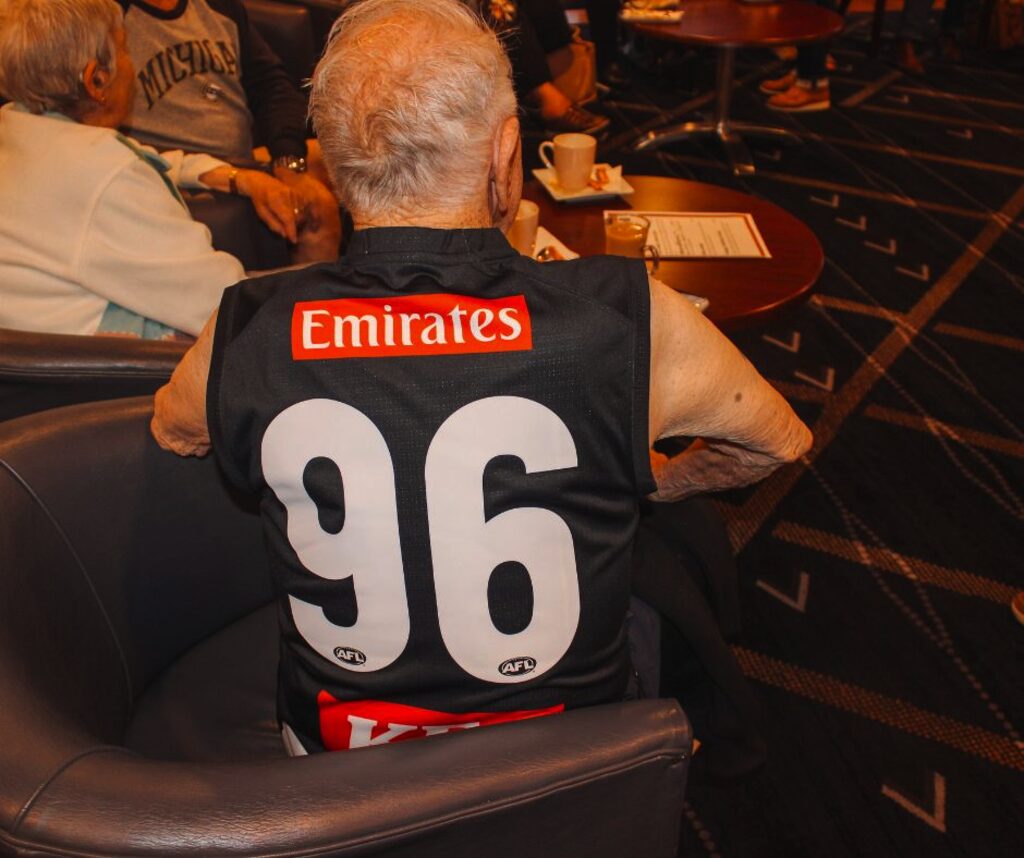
171 433
797 442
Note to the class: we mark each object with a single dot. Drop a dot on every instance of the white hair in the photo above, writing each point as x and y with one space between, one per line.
406 101
45 45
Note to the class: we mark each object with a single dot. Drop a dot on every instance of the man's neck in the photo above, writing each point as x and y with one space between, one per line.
463 219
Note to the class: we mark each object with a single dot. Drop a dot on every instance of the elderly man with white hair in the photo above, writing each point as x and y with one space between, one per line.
451 440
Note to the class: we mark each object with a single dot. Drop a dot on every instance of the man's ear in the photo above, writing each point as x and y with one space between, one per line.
506 172
95 81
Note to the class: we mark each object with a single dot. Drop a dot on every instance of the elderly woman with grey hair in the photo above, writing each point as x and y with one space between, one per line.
94 235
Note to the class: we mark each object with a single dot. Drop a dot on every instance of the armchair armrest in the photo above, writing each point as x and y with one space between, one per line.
605 781
40 371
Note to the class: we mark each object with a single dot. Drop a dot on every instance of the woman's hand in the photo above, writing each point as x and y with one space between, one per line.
276 204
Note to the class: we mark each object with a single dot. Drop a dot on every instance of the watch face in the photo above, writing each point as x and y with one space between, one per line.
291 162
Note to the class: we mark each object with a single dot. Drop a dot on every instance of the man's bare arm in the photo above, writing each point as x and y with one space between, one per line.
179 414
702 387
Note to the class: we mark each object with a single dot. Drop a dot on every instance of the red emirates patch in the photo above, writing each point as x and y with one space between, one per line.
363 723
410 325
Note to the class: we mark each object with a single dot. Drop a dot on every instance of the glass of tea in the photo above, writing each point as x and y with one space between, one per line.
626 235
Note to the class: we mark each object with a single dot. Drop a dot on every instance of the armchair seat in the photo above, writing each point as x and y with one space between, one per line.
216 702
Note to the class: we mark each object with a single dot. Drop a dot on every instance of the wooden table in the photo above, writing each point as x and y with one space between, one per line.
742 292
728 25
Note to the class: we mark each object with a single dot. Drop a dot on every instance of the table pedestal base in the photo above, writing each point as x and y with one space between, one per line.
727 131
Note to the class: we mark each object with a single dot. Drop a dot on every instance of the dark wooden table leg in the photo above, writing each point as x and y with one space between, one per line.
984 24
735 149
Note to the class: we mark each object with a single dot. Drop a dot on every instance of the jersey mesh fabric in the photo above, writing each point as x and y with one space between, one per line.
587 369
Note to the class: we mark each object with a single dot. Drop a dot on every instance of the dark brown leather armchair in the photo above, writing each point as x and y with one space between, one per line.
288 29
138 642
39 371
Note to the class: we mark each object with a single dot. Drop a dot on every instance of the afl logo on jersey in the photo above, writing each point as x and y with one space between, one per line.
349 655
519 666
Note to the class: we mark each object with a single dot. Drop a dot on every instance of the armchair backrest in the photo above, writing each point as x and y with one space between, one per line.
40 370
288 30
158 552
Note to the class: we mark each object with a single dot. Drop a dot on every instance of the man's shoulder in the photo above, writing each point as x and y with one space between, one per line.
283 285
292 276
611 281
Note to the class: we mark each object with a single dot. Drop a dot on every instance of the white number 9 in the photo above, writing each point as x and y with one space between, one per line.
367 548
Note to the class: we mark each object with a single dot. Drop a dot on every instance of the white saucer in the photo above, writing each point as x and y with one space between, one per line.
546 240
651 16
616 187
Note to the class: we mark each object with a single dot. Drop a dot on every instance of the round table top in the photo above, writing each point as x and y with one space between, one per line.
742 292
730 23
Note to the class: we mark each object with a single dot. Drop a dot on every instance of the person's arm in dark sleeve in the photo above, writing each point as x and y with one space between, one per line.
277 106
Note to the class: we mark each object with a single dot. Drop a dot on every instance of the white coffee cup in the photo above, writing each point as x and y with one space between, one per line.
573 159
522 234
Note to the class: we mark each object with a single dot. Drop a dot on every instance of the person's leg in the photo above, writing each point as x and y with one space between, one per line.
805 87
913 23
910 32
684 568
547 18
950 26
529 61
532 79
810 64
809 91
604 32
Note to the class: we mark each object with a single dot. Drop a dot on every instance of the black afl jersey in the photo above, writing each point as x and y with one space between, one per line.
450 441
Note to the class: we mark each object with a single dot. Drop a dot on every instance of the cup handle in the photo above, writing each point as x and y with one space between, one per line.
652 251
544 157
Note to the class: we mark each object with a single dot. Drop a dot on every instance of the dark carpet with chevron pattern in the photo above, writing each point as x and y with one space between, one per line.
876 576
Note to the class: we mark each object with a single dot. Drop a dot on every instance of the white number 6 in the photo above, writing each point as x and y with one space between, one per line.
466 549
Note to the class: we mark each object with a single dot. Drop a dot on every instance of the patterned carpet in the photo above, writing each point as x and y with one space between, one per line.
876 575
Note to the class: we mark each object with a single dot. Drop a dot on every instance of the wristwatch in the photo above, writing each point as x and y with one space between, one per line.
295 163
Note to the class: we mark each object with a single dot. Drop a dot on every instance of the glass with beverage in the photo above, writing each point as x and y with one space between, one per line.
626 235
